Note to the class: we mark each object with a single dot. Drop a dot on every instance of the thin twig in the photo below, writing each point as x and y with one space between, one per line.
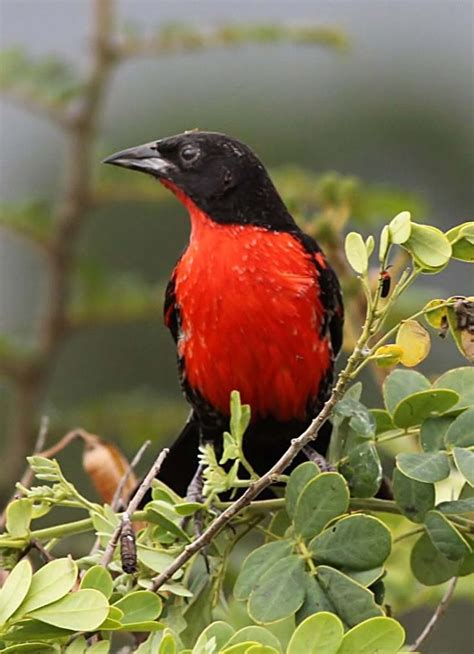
135 461
62 443
133 506
433 621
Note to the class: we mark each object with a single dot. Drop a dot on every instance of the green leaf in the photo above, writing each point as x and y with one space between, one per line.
400 384
139 606
357 542
414 409
356 252
461 431
353 602
370 245
300 476
279 592
383 420
445 537
374 636
319 634
430 467
257 634
99 578
365 577
400 228
464 460
19 517
50 583
219 632
363 470
432 433
163 514
15 589
414 498
321 500
428 565
156 560
28 630
239 416
188 508
465 505
279 523
361 420
460 380
84 610
198 613
167 645
461 238
429 246
34 648
78 646
315 600
256 564
384 243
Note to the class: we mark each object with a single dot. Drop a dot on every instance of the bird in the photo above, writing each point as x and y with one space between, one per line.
252 304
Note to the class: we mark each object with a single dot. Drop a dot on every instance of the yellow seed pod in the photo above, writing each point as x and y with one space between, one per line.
415 342
387 356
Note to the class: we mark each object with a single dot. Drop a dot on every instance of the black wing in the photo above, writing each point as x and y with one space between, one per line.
171 308
330 292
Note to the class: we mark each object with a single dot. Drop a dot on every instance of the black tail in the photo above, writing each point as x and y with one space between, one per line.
180 465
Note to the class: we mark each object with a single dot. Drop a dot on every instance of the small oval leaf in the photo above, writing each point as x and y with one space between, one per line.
321 633
321 500
374 636
84 610
279 592
356 252
429 246
430 467
400 228
15 589
413 410
445 537
357 542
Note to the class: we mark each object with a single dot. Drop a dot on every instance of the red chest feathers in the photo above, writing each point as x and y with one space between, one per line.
250 318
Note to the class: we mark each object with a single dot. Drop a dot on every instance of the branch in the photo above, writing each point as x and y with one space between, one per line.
135 461
433 621
38 106
133 506
173 39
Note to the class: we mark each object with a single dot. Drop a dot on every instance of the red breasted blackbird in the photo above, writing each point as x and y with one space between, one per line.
252 303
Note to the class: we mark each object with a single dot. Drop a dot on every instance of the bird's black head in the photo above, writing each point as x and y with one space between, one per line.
218 173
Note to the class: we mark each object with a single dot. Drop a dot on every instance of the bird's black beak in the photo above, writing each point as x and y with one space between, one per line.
145 158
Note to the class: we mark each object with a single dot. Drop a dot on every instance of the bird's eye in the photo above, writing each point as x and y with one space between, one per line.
189 153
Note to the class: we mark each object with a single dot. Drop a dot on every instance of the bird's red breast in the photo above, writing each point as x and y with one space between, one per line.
250 317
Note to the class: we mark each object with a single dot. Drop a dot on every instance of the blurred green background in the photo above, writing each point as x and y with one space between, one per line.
392 108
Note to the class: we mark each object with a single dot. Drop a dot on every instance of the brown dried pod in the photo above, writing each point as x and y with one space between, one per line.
128 548
106 466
